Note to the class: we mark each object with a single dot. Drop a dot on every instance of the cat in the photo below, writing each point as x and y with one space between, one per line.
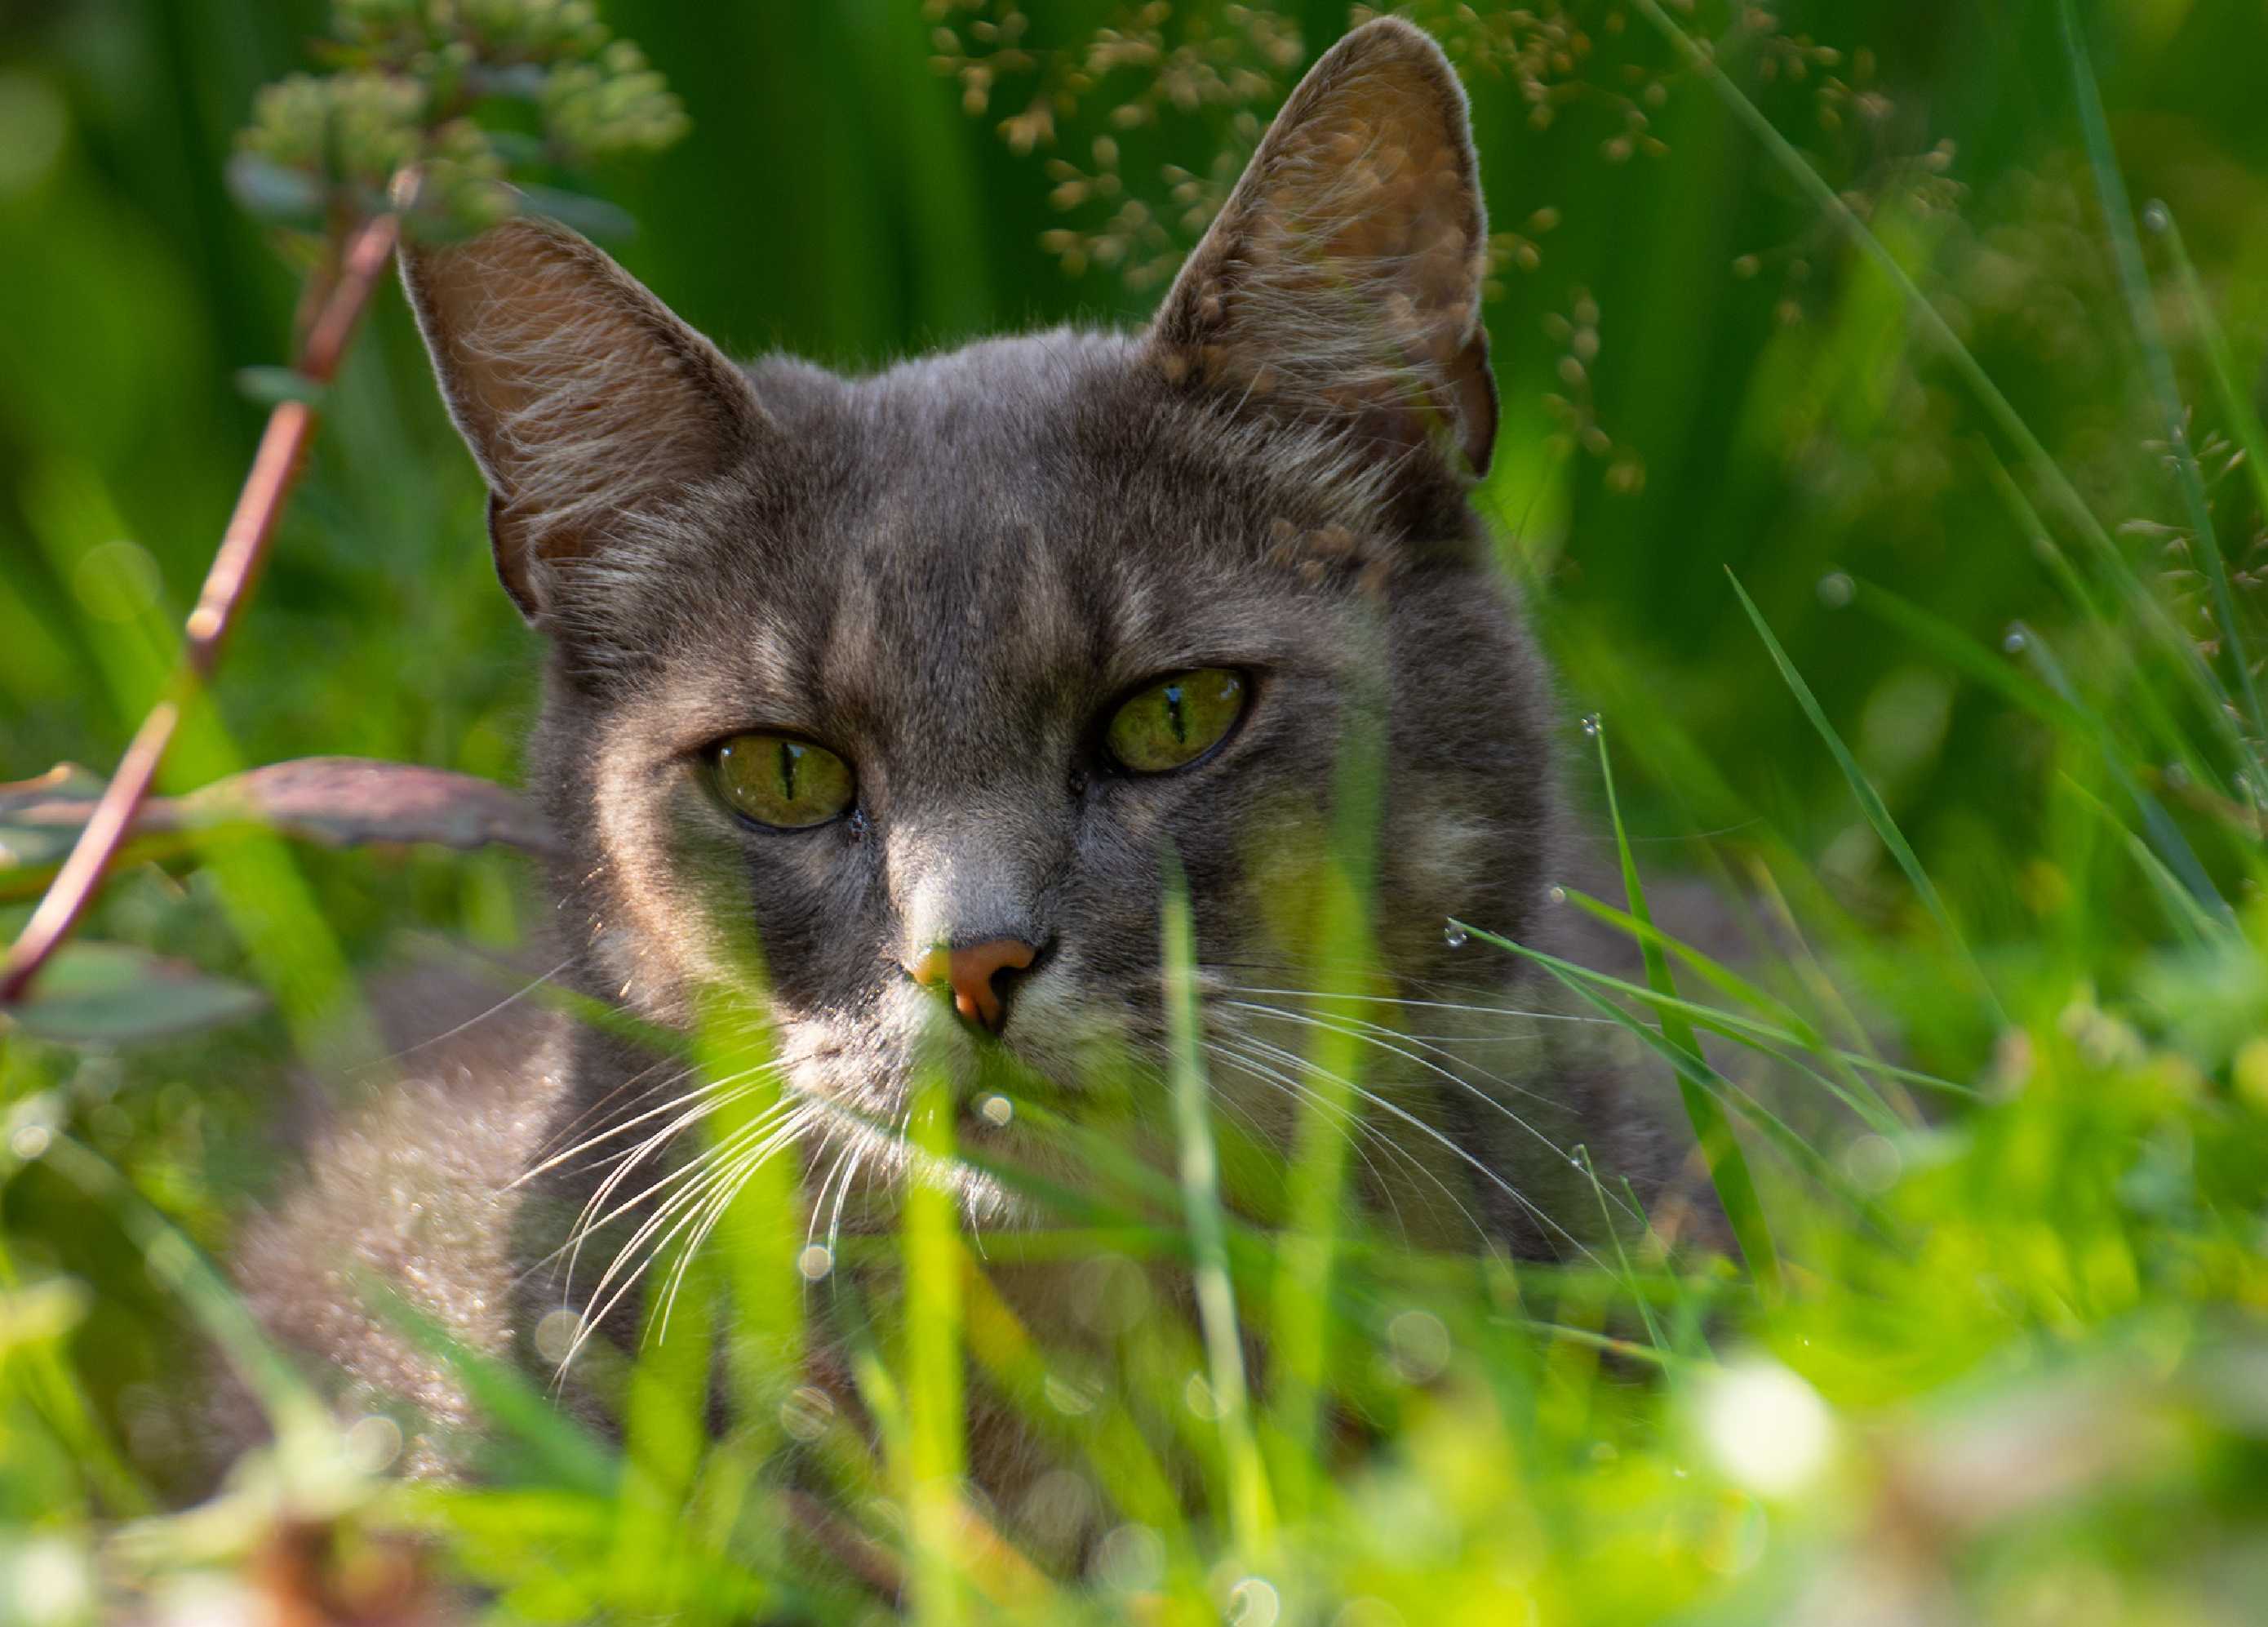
879 711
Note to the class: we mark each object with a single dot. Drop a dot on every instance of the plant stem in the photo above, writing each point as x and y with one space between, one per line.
228 584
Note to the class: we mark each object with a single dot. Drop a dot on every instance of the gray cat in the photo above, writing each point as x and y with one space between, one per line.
909 690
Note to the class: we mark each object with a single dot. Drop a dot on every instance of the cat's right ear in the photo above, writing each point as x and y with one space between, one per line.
1342 277
583 398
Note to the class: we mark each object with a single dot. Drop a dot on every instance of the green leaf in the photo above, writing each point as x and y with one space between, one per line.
114 994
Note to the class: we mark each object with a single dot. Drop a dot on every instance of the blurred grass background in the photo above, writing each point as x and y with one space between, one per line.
1697 373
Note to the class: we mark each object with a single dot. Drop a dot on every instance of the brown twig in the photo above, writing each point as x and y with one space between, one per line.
228 584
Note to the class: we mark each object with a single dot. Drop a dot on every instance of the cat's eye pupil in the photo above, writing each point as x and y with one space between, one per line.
1175 720
781 782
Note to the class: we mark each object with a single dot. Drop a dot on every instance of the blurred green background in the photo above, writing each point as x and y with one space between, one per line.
1697 373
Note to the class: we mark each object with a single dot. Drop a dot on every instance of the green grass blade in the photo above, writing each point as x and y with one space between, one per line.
2134 278
2179 856
1653 1331
934 1413
1694 1069
2190 918
1728 1025
2056 702
558 1448
2244 426
2147 610
1869 800
1729 1168
1849 1087
1250 1507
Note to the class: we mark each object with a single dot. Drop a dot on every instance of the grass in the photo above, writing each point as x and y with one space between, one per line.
1985 1095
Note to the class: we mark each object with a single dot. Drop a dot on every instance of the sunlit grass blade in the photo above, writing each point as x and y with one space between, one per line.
1849 1086
39 1361
560 1452
1251 1507
1127 1471
1692 1068
665 1433
1729 1168
1869 800
2134 278
1726 1025
1653 1331
935 1423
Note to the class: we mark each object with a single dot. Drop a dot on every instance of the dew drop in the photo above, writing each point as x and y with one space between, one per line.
2014 642
1557 895
1592 725
815 1263
1454 936
1836 589
996 1110
2157 217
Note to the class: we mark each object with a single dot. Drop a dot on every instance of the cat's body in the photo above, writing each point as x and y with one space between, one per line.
951 582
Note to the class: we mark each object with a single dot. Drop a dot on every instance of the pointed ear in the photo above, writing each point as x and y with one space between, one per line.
1343 275
584 399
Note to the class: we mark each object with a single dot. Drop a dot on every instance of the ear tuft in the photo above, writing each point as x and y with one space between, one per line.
1343 275
584 399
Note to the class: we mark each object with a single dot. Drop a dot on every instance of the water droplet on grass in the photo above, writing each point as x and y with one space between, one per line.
1836 589
2156 217
1592 725
1454 936
2015 640
815 1263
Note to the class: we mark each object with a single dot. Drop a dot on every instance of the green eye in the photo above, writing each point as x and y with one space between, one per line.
1177 720
787 783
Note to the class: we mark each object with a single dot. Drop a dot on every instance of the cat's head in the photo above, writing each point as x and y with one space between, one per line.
905 687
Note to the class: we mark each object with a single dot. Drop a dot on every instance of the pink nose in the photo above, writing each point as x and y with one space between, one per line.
971 970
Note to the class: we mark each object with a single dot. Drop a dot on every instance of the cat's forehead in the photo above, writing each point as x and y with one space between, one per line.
1034 491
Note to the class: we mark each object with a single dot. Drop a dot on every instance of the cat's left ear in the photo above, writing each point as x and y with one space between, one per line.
1344 276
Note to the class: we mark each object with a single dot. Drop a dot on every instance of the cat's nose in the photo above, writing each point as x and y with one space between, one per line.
980 976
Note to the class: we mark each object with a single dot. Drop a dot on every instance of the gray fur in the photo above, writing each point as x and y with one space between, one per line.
948 573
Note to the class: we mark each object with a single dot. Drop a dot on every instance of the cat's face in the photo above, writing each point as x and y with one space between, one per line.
897 697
